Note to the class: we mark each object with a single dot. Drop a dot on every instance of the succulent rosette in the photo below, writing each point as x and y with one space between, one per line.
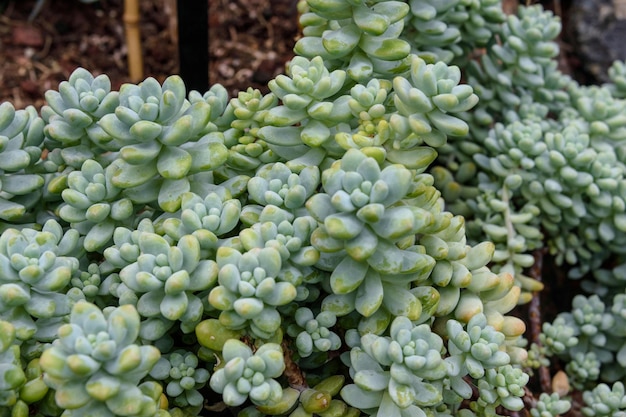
427 102
208 219
246 114
95 366
249 375
166 279
365 34
249 290
314 332
36 269
11 374
21 138
72 114
162 134
184 376
361 216
396 375
93 205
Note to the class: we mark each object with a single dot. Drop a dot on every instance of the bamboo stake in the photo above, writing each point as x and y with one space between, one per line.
133 40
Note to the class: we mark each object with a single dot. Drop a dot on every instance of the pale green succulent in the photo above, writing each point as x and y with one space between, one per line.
617 73
95 366
550 405
161 138
275 184
21 138
249 290
93 205
167 277
314 332
72 114
249 375
208 219
361 37
181 371
370 105
583 369
605 401
501 386
297 244
246 114
443 31
11 374
398 374
427 101
37 268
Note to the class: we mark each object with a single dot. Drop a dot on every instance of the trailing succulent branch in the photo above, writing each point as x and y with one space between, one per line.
350 243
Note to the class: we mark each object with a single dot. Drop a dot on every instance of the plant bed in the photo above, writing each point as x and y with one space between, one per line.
370 235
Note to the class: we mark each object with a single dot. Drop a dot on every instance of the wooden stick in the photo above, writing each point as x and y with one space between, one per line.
133 40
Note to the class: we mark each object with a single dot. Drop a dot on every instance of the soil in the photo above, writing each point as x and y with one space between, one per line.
249 43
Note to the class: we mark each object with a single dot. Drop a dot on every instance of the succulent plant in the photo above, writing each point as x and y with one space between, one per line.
21 137
314 332
95 366
166 278
247 374
249 291
604 400
181 371
550 405
351 242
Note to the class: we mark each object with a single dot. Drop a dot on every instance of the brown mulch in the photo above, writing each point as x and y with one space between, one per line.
249 43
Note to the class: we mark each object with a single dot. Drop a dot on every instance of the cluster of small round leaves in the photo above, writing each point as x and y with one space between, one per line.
71 114
303 91
161 133
522 64
369 103
11 374
583 369
36 271
426 101
87 283
397 374
477 348
313 333
365 39
358 208
276 184
95 366
249 375
602 112
589 338
445 31
570 191
249 290
502 386
216 97
291 239
558 336
246 114
21 137
125 248
208 219
183 377
166 278
550 405
605 401
93 205
617 75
